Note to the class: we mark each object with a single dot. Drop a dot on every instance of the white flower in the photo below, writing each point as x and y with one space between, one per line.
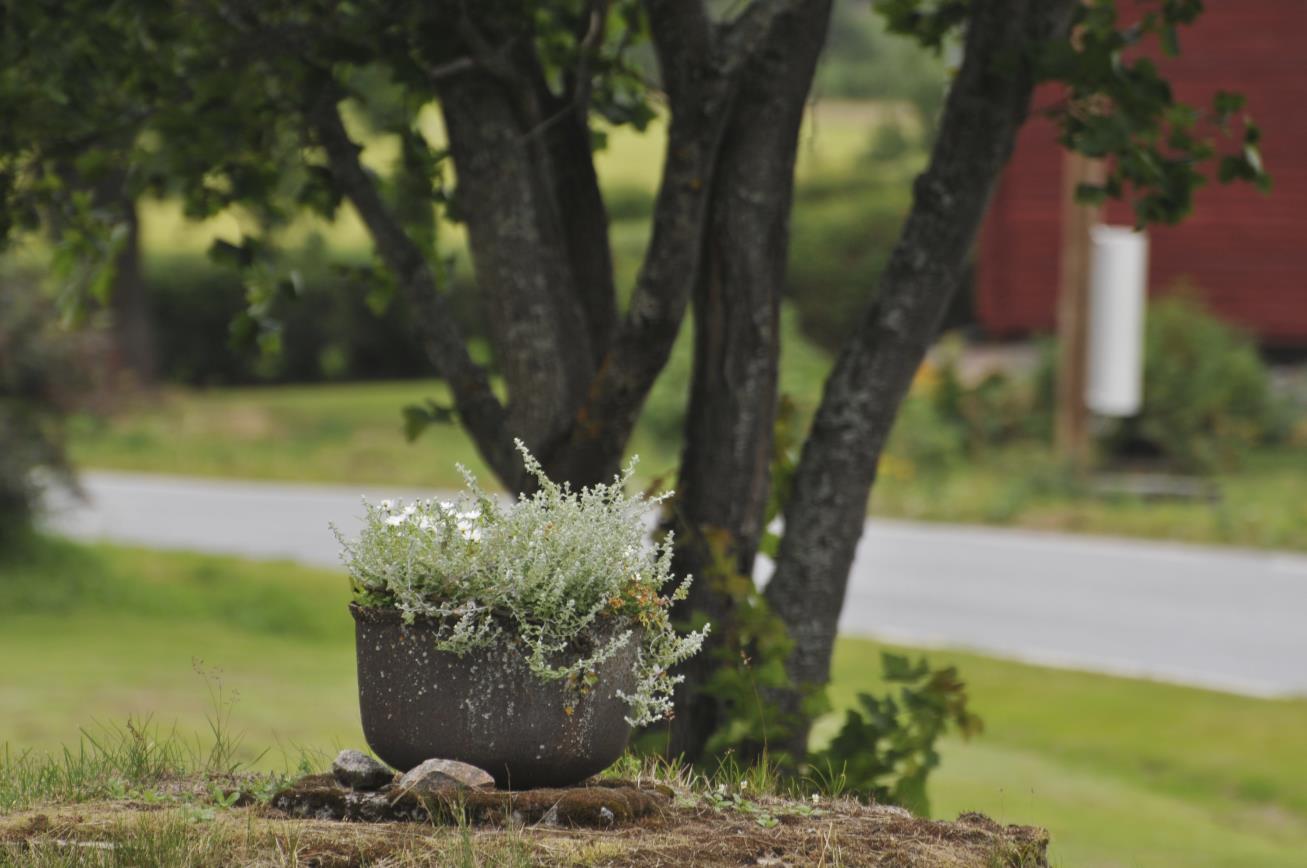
386 504
396 520
815 798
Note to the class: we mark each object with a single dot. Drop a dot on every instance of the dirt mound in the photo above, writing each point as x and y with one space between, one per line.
681 829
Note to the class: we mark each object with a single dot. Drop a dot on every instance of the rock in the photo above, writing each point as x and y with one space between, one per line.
442 775
358 771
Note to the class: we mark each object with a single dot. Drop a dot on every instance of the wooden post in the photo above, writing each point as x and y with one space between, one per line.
1072 419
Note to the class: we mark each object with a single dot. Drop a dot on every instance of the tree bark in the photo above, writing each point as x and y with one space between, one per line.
524 276
129 308
824 518
724 480
132 325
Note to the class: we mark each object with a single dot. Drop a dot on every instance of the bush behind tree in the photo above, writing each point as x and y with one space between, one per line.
40 375
1207 392
1207 398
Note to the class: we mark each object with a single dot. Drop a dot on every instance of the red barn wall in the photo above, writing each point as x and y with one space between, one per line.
1243 252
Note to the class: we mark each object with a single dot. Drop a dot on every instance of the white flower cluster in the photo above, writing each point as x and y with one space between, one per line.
397 514
569 574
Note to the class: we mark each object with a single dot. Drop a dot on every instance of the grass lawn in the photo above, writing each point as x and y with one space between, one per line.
352 433
1261 506
1123 772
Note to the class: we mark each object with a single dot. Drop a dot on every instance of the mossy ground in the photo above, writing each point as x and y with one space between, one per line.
190 829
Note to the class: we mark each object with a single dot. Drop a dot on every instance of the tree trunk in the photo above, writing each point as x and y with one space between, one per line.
537 325
724 481
827 510
132 327
129 310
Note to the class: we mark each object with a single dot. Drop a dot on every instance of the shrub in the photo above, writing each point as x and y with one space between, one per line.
923 442
38 378
839 245
886 750
999 409
328 330
566 573
1207 393
628 202
865 62
1207 396
890 141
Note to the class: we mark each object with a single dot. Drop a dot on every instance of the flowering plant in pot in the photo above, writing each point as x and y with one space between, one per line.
525 638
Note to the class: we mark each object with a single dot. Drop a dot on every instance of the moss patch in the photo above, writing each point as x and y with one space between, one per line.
604 804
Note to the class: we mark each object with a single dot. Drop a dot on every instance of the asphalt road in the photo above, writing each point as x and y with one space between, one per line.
1223 618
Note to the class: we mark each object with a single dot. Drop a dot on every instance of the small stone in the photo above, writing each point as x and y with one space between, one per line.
437 775
358 771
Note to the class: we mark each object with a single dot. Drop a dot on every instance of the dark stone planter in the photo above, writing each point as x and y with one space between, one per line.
484 708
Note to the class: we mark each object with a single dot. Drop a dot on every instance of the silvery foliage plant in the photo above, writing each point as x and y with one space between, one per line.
568 573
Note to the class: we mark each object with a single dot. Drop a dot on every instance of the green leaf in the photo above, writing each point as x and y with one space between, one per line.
1170 39
1091 194
417 417
1225 103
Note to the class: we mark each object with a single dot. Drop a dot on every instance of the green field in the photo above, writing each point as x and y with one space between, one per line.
1123 772
1261 504
352 432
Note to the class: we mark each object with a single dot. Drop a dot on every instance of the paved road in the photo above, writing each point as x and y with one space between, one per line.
1229 619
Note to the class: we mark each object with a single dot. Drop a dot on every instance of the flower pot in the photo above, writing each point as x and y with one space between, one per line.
484 707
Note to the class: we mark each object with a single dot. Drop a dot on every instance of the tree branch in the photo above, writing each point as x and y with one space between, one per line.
589 49
701 75
748 31
683 40
512 200
440 72
986 106
480 410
